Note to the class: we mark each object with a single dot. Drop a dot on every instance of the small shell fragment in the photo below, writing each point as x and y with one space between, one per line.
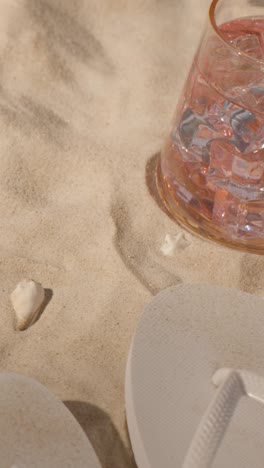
172 244
26 300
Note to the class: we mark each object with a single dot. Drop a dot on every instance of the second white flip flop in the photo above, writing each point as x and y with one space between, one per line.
37 430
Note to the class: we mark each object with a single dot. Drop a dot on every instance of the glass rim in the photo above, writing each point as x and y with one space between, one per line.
221 37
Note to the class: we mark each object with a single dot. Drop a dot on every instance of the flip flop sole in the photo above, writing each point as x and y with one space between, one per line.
185 335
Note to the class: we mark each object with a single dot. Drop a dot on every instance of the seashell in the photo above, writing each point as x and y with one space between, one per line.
26 300
172 244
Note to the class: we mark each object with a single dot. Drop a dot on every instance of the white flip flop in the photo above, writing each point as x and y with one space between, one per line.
190 340
37 430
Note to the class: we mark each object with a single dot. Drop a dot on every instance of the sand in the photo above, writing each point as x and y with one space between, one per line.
87 92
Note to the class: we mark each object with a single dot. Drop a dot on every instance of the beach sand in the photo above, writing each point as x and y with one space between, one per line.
87 92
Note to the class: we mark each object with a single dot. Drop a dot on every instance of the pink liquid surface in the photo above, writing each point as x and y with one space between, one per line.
213 162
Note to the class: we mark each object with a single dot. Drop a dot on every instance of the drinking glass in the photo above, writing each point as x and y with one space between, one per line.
211 170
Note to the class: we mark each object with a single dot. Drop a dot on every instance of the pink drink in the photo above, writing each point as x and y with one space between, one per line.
212 167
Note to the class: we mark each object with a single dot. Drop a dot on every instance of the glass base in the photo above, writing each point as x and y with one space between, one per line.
200 225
